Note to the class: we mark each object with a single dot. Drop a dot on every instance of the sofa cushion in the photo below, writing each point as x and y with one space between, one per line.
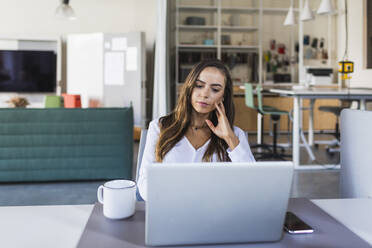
66 144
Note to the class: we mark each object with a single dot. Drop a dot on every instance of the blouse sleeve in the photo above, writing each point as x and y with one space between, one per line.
242 152
148 156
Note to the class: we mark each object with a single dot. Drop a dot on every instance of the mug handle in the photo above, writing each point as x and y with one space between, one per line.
100 194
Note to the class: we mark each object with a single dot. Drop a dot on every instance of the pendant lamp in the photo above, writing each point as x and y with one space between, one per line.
290 19
325 8
64 11
307 14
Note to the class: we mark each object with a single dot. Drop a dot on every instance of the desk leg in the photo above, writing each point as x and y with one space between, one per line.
362 104
296 132
311 123
259 128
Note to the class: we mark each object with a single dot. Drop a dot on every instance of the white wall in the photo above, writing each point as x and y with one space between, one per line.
36 18
361 76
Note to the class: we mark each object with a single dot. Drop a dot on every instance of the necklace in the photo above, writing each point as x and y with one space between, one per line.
196 128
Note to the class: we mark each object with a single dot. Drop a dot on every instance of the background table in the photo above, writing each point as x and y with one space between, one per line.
299 93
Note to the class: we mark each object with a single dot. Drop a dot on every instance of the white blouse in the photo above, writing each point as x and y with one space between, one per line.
184 152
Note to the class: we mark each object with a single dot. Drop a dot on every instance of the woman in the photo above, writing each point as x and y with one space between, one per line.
200 128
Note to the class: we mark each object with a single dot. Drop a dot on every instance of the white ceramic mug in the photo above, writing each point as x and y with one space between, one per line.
118 198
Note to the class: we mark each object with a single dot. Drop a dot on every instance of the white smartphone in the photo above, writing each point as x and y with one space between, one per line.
295 225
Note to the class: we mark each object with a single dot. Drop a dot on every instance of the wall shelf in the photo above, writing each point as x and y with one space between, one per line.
196 8
196 46
283 11
239 10
241 47
238 29
197 27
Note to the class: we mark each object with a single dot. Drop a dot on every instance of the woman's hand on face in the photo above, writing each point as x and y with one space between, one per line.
223 129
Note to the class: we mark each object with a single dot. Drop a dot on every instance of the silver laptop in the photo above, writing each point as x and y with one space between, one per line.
212 203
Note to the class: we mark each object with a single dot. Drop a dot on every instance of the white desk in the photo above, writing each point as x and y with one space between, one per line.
315 93
43 226
62 226
355 214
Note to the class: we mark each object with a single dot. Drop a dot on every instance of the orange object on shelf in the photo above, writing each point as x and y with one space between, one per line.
71 101
94 103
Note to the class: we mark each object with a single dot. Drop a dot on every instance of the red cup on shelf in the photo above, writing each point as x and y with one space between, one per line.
72 101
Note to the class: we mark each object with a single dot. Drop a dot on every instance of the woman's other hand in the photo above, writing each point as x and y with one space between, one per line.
223 129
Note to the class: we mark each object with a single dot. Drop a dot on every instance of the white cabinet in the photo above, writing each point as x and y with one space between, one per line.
109 68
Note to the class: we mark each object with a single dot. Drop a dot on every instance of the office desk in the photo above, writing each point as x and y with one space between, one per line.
299 93
355 214
328 232
43 226
62 226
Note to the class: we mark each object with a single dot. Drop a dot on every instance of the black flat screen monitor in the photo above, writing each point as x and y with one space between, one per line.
28 71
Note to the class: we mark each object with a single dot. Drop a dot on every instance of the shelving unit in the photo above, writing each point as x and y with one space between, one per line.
258 21
195 40
329 24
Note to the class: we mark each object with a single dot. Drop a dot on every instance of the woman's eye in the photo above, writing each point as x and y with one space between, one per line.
199 86
215 90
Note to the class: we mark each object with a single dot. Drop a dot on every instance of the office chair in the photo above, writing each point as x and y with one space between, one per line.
334 145
356 156
141 149
274 114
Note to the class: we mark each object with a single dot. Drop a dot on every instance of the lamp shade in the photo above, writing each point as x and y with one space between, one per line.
64 11
325 7
290 19
307 14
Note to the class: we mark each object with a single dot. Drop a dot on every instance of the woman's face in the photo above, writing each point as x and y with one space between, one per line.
209 89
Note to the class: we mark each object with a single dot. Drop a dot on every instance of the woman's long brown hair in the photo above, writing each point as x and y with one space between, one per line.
174 125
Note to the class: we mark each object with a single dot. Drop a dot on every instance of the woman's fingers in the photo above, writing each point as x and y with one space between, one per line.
210 125
222 107
219 109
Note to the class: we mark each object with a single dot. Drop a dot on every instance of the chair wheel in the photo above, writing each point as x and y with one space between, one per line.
329 152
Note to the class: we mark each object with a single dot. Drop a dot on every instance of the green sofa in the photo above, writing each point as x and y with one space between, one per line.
65 144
